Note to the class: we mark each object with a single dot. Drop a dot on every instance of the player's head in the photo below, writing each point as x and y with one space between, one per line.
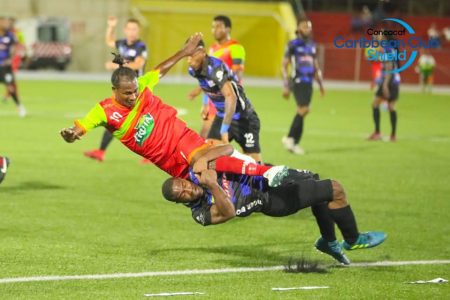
304 28
181 190
124 83
221 27
196 60
4 23
131 30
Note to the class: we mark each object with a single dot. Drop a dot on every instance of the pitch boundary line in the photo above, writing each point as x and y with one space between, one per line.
206 271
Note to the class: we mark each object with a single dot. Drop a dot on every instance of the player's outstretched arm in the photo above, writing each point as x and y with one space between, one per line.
222 209
188 49
110 35
72 134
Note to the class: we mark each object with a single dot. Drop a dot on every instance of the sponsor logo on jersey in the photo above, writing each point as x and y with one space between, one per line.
144 128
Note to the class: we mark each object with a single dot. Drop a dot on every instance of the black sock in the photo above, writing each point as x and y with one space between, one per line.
294 126
15 98
324 220
376 118
393 115
346 222
299 131
106 139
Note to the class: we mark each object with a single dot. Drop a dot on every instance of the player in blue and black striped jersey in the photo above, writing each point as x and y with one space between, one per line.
388 91
215 198
134 50
300 55
8 44
236 118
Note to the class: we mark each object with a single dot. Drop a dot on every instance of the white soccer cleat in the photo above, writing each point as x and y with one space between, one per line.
288 143
298 150
275 175
22 111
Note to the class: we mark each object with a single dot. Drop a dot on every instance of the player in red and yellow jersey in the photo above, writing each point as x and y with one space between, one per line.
150 128
231 53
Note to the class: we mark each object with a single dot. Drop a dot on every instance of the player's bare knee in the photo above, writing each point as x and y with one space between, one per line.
303 110
391 106
339 196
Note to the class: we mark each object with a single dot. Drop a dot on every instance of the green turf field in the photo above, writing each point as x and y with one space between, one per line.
63 214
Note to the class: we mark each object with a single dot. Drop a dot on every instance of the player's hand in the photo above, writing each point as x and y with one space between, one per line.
110 66
286 93
208 177
200 165
190 47
194 93
112 21
69 135
205 112
224 138
322 91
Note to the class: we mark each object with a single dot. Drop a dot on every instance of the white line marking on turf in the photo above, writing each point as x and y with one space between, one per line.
301 288
173 294
207 271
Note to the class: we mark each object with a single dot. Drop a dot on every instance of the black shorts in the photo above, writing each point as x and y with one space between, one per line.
393 92
302 92
244 131
298 190
6 75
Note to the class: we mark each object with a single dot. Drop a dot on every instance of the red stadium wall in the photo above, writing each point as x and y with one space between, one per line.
348 64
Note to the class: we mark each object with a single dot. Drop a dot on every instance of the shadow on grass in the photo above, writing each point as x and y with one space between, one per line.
31 186
242 255
367 146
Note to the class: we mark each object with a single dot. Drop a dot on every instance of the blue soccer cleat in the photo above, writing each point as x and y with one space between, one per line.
366 240
332 248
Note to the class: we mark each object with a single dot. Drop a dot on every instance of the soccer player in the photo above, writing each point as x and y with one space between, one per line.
4 163
8 43
388 90
236 118
216 197
425 66
150 128
134 51
232 54
19 50
301 56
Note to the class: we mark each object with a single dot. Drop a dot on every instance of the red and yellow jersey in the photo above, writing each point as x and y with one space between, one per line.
150 129
231 53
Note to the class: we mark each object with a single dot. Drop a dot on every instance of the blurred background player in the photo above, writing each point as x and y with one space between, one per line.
19 51
388 90
375 65
232 54
4 163
8 50
425 67
301 55
236 118
135 52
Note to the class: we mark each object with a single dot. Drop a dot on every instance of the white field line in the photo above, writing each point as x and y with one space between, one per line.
206 271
